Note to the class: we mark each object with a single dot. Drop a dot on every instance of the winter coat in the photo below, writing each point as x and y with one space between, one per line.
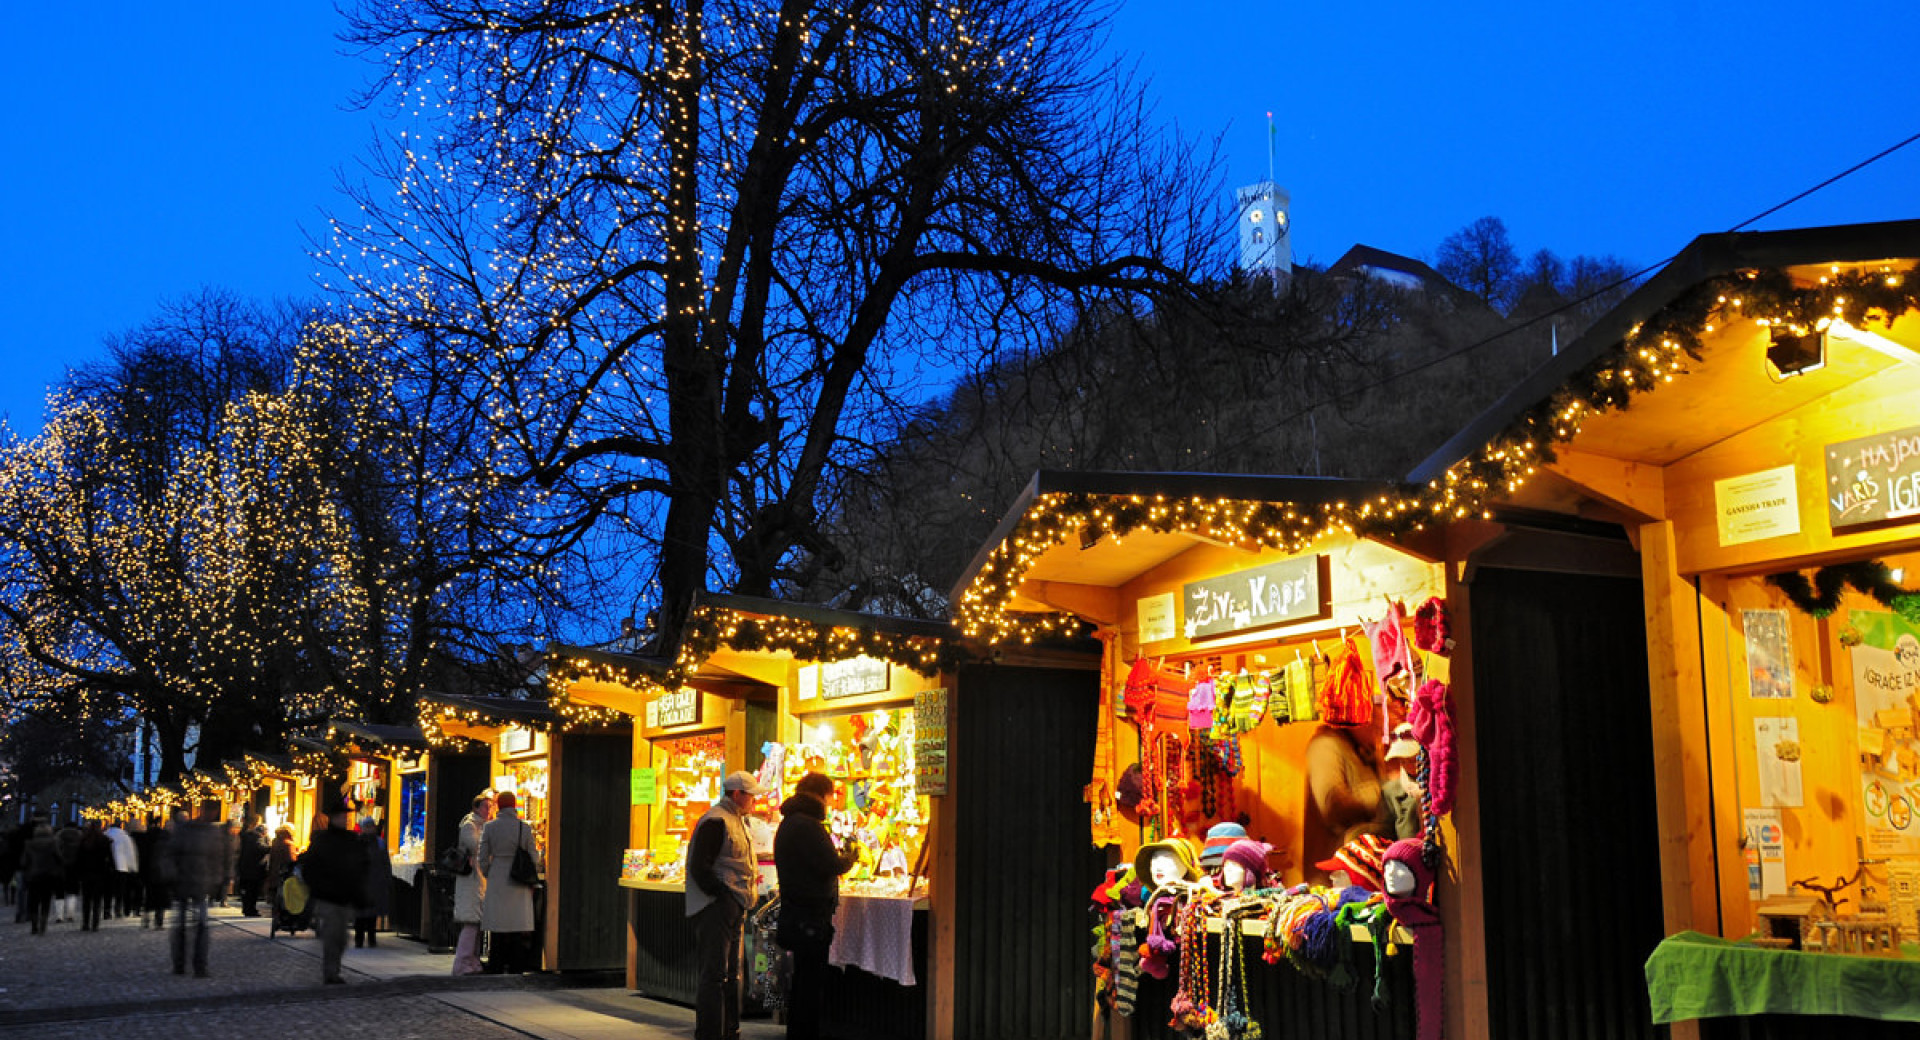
471 887
197 852
378 897
720 859
335 867
66 842
126 853
250 865
280 858
808 864
41 861
93 857
507 907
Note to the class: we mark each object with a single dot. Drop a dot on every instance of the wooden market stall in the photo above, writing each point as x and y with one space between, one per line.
1761 494
561 767
779 689
388 779
1236 584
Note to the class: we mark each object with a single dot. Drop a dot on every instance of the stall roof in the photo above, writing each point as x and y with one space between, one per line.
1663 426
507 709
1113 562
408 738
819 615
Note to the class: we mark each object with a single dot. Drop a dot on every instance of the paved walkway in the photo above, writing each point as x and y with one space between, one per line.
117 984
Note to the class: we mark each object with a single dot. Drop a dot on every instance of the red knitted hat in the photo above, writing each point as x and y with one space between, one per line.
1363 859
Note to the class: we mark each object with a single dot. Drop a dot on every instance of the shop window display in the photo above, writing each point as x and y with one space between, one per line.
413 818
527 779
870 756
688 771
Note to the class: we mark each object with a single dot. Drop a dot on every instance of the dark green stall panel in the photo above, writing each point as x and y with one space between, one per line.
1569 841
663 940
1022 752
592 832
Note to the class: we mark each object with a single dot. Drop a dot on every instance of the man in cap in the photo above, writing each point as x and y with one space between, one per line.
720 888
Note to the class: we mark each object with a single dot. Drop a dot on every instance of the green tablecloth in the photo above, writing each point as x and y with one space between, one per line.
1691 975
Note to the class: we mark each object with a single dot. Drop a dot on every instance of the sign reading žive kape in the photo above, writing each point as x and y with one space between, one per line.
1871 479
1278 593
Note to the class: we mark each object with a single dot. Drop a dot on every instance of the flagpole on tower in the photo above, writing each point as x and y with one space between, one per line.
1270 135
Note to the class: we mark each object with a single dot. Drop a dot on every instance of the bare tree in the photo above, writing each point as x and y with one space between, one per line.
1481 259
688 257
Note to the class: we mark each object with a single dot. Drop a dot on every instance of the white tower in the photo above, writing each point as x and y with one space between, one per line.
1266 240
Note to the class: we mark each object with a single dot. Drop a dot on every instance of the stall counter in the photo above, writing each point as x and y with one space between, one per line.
1691 975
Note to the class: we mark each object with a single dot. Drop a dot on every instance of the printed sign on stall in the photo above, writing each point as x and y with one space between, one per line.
1872 479
930 741
1886 696
852 677
643 787
1156 618
1757 505
1278 593
679 708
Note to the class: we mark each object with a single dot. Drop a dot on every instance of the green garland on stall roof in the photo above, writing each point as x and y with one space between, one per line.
1821 596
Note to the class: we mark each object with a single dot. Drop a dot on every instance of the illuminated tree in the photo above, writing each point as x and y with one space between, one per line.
685 258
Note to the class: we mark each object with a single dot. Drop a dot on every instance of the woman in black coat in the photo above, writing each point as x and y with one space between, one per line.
93 865
810 869
250 868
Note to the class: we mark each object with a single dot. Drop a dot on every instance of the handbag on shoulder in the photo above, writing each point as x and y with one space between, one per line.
454 860
524 871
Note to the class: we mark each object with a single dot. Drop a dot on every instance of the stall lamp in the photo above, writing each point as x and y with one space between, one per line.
1874 341
1793 354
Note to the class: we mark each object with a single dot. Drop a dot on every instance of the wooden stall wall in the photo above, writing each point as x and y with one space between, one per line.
586 846
1569 845
1022 747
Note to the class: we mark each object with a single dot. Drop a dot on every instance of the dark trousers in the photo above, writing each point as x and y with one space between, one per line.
716 944
366 931
510 953
190 912
250 895
40 903
808 939
94 895
330 923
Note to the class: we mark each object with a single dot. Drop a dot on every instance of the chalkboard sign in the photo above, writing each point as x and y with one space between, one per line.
1276 594
852 677
1873 479
679 708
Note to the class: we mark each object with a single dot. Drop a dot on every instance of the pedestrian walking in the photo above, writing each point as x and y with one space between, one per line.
126 870
335 870
93 864
66 840
720 887
379 886
469 888
280 857
196 851
506 911
156 874
250 868
43 870
809 868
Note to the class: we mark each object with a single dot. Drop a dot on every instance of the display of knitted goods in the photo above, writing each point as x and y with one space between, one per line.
1431 630
1391 657
1260 690
1362 858
1410 901
1131 787
1431 717
1190 1007
1345 696
1251 857
1303 685
1139 692
1214 848
1157 952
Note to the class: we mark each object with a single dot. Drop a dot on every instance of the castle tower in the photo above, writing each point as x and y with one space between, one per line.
1266 240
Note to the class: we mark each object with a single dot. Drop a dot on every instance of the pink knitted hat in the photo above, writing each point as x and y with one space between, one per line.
1251 855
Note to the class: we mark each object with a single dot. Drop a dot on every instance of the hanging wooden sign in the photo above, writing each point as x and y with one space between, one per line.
1874 479
1299 589
852 677
679 708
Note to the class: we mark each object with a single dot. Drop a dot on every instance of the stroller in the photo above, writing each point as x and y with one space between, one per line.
291 910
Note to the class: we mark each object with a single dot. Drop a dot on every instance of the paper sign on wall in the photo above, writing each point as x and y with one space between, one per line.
1766 853
645 789
1756 506
1886 680
1776 742
1156 618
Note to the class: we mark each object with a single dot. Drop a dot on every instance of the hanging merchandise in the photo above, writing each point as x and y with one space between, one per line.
1391 657
1260 690
1138 695
1431 631
1191 1012
1232 1021
1099 792
1171 692
1303 683
1200 705
1432 720
1409 900
1345 697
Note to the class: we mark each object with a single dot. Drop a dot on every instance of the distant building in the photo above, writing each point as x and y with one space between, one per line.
1266 232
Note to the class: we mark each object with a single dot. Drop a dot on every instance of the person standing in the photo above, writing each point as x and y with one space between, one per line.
93 863
809 868
126 870
40 863
470 888
280 858
335 870
197 852
379 886
506 911
156 873
720 888
66 841
250 868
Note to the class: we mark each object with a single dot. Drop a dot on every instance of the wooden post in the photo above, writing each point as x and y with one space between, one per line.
941 832
1461 893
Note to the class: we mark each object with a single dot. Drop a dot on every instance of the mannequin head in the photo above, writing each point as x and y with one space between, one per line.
1165 868
1399 878
1165 862
1244 864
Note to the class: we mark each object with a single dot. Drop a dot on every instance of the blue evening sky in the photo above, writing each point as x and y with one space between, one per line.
153 149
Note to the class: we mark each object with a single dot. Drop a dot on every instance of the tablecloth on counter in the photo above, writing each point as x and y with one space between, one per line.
874 934
1691 975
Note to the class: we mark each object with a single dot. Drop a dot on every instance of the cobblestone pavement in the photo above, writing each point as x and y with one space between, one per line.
338 1015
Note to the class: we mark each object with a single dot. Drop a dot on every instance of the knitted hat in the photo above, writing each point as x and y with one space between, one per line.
1251 855
1407 852
1219 836
1128 790
1143 860
1363 859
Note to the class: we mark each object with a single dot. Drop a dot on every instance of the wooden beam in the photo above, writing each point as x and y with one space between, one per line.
1462 895
1680 750
1637 489
1095 603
